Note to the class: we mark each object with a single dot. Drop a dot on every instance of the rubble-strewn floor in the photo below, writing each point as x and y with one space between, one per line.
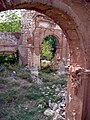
23 99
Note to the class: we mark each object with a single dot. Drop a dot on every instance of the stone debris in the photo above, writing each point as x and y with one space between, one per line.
57 110
49 112
36 79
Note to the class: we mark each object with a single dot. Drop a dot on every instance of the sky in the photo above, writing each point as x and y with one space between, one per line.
3 15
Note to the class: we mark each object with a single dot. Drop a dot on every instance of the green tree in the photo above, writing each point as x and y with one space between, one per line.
46 50
10 21
52 41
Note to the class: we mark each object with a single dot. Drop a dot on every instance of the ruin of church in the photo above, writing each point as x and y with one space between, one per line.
34 28
73 16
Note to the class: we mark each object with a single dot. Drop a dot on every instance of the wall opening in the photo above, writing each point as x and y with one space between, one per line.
66 17
9 58
49 46
48 76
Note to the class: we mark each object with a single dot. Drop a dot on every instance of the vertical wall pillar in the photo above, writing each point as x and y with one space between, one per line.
22 54
86 106
76 100
30 56
27 28
36 60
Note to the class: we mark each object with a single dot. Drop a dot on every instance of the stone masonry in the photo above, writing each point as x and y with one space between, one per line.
9 42
34 28
73 16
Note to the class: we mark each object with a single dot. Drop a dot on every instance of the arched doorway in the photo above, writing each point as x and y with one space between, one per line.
71 25
49 41
47 50
55 51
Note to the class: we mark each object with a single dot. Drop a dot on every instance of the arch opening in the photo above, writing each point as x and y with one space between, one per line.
63 16
67 19
55 43
50 42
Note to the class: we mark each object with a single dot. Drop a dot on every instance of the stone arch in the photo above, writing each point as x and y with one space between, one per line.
57 38
41 33
65 16
60 58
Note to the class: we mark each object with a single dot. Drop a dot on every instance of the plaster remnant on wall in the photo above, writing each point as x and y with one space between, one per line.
70 98
76 73
74 115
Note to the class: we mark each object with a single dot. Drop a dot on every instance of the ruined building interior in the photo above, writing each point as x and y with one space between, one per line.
73 16
34 28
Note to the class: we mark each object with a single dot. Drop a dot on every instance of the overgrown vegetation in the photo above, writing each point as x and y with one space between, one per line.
8 59
48 48
22 99
50 77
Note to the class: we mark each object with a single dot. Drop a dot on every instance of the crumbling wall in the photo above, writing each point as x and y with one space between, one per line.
9 42
74 18
34 30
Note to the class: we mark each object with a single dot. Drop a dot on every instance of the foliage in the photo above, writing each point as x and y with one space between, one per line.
52 41
7 59
10 21
21 100
48 48
51 78
6 69
33 93
25 75
8 96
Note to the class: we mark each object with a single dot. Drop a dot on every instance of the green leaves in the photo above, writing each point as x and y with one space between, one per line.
7 59
48 48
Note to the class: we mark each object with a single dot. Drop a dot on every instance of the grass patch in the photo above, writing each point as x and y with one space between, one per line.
8 96
21 102
25 75
53 78
33 93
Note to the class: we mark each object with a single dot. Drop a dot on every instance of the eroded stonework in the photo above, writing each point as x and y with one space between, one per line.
35 27
76 72
9 42
74 18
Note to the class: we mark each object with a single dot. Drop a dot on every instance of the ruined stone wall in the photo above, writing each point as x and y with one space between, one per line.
35 27
9 42
44 27
74 18
27 28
